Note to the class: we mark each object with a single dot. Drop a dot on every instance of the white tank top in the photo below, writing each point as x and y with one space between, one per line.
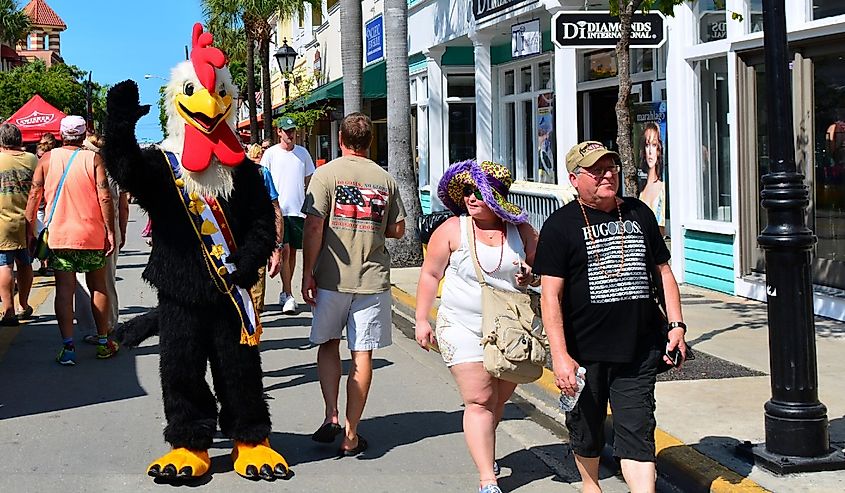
461 296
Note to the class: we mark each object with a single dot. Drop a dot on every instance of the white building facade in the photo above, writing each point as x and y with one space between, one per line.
479 95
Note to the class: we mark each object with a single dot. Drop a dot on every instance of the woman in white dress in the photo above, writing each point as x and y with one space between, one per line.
505 245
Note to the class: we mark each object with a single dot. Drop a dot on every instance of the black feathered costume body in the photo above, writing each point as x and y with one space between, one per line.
197 323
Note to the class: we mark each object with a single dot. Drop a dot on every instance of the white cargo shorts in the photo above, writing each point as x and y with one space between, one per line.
367 318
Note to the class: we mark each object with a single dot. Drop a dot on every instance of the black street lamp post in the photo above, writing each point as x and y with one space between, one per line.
797 437
285 57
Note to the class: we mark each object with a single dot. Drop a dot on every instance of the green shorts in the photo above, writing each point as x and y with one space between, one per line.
77 260
293 231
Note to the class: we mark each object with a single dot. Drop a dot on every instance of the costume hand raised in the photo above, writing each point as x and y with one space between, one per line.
124 103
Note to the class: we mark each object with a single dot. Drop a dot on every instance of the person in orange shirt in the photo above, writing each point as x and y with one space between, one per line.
80 222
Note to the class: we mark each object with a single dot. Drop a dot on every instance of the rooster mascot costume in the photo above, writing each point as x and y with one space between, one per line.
213 229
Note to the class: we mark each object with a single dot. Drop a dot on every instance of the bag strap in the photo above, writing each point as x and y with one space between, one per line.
59 189
655 282
471 243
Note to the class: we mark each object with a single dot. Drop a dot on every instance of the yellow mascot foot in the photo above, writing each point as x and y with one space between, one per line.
179 464
259 461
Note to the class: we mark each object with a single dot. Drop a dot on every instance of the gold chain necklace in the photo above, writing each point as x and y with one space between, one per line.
593 240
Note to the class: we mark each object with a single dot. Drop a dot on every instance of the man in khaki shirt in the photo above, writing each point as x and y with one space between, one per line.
352 205
16 170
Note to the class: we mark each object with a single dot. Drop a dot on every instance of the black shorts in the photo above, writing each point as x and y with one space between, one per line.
630 389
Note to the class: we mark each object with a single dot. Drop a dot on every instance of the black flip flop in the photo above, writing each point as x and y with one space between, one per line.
362 446
327 433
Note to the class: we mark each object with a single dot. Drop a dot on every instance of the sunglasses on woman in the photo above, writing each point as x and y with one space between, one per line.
473 191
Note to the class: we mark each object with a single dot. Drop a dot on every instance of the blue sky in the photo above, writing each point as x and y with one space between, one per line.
120 40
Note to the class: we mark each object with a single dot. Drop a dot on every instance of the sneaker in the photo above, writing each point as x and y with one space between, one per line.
10 321
66 357
282 298
107 350
490 488
289 306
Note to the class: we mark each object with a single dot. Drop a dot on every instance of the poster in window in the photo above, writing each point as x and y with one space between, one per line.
545 137
649 137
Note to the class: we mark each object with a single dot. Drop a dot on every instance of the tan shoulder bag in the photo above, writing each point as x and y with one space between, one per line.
513 349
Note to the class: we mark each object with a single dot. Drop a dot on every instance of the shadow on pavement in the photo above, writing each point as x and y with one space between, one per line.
31 382
307 373
837 432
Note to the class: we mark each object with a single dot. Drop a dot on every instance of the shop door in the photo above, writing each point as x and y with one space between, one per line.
601 107
820 104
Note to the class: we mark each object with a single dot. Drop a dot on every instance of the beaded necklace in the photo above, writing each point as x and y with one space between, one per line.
593 240
501 249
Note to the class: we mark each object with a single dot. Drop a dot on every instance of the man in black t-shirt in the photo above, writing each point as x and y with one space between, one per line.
595 255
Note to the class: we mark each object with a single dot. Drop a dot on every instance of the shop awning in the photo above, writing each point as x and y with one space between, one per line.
374 85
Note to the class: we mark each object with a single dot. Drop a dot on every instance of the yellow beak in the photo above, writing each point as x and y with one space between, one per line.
203 110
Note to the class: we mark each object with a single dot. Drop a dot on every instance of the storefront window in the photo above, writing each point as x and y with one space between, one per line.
460 85
756 11
509 83
546 76
829 205
510 138
715 141
530 141
712 20
827 8
525 79
600 64
642 61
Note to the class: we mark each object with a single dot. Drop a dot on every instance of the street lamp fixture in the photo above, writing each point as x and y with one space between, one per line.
286 57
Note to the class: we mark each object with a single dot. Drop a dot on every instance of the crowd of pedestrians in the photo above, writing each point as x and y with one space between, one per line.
594 260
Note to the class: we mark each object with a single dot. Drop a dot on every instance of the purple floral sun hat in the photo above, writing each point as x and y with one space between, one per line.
491 179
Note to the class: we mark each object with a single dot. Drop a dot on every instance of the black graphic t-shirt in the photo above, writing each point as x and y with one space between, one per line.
607 311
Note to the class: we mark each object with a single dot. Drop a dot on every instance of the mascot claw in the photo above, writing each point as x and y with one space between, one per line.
259 462
180 464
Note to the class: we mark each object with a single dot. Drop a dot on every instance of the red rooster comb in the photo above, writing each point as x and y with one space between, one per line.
205 57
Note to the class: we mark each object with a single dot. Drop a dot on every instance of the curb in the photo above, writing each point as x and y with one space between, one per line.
683 466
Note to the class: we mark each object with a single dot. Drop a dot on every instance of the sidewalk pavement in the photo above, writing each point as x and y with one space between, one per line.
701 419
96 426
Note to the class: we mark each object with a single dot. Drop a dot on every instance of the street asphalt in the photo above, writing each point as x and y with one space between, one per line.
96 426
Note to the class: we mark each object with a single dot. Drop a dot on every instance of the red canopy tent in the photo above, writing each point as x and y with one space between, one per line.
35 118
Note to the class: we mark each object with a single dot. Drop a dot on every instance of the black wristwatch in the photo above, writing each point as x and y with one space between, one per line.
280 246
675 325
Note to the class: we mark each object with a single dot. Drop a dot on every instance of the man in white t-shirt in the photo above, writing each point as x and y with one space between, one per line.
291 167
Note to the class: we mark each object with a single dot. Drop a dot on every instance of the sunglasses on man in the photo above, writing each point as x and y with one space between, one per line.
598 173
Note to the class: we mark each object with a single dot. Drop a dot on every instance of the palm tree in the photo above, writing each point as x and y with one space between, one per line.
14 23
254 17
224 19
406 251
352 53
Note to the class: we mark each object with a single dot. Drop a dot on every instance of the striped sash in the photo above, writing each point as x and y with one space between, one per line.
212 229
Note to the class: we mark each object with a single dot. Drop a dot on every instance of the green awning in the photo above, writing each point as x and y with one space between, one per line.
374 85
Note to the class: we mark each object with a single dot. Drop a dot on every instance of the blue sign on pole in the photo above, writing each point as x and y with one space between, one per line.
374 30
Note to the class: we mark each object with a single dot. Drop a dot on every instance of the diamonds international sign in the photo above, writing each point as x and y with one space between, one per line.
596 29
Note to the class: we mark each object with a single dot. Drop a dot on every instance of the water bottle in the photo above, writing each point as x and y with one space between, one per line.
567 402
